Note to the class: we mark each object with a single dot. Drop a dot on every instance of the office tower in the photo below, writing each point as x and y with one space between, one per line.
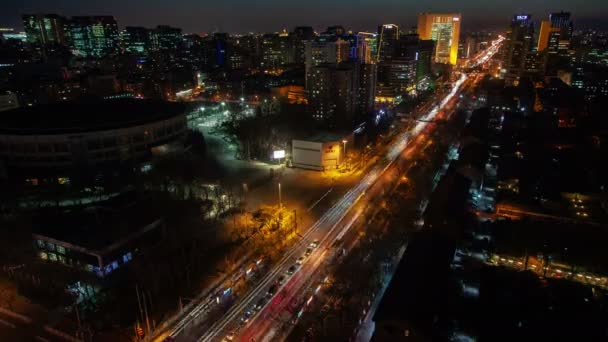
543 35
165 38
372 43
45 29
135 40
93 36
560 33
45 33
424 58
407 69
517 46
387 36
358 48
444 29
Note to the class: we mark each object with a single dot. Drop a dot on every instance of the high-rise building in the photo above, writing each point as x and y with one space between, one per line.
45 29
388 34
397 72
93 36
45 32
135 40
366 95
165 38
323 50
372 43
543 35
560 33
444 29
332 94
424 58
299 36
358 48
517 46
277 50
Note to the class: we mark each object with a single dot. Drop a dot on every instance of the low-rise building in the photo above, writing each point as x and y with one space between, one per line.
97 239
324 151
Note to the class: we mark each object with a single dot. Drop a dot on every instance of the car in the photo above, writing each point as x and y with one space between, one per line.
260 304
308 251
229 337
271 291
300 260
281 279
292 269
314 244
247 316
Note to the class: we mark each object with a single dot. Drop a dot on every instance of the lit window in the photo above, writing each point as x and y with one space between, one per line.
52 256
44 256
60 249
127 257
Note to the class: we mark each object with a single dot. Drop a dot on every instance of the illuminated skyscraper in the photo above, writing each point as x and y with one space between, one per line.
165 38
358 48
277 50
322 50
388 34
444 29
135 40
543 35
45 29
45 32
372 43
517 46
93 36
561 32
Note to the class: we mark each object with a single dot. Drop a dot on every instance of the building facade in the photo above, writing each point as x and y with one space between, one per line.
444 29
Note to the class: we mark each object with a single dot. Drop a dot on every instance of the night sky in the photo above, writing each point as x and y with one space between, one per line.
273 15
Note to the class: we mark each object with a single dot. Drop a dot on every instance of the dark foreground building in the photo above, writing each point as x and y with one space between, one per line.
95 144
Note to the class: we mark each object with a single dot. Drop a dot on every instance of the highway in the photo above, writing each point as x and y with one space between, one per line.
259 315
242 318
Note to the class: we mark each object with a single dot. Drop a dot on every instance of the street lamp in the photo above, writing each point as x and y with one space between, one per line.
280 201
344 144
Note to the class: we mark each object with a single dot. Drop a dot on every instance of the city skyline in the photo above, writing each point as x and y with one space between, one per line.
268 16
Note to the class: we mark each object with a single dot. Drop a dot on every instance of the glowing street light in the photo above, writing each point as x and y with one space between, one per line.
344 144
280 200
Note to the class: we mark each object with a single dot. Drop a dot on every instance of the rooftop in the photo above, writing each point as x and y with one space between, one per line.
323 137
86 116
99 227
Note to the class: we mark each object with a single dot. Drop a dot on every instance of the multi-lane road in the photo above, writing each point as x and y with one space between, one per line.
276 300
260 315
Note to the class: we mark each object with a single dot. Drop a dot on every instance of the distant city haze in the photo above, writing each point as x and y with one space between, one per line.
273 15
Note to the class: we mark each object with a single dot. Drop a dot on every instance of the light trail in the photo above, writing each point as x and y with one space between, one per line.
328 223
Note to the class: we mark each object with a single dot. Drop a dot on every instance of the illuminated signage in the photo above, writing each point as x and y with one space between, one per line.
522 17
278 154
456 19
